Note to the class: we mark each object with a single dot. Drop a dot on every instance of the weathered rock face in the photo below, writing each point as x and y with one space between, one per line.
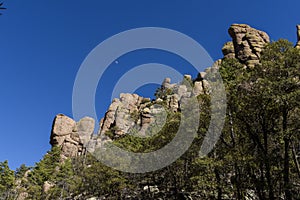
129 114
248 44
228 50
70 136
124 113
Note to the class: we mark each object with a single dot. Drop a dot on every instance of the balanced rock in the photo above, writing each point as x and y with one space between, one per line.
248 43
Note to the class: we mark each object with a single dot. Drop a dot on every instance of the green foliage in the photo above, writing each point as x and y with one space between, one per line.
101 180
64 181
112 132
45 170
7 181
135 115
148 144
162 93
6 176
20 172
256 140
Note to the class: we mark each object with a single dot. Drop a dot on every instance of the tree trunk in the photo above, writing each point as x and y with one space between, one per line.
286 170
296 161
267 162
219 188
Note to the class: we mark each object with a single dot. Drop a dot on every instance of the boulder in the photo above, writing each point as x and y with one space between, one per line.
47 186
62 125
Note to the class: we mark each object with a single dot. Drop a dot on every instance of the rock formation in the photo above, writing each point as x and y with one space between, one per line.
131 113
247 43
123 114
65 134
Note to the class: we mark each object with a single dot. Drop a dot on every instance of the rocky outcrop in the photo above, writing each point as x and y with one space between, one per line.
122 114
134 114
131 113
71 136
247 42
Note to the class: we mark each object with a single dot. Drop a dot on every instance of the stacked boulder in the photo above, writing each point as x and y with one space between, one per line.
71 135
247 44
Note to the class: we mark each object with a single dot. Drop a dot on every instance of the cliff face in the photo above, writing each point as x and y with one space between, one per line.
133 113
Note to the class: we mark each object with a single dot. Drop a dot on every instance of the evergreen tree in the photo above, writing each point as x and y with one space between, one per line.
7 181
45 170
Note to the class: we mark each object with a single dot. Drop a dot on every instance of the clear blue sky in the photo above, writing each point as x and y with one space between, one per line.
43 44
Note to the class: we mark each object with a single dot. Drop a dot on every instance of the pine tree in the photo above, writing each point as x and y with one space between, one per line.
7 181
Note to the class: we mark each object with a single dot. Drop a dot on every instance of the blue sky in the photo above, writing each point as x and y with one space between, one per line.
43 44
